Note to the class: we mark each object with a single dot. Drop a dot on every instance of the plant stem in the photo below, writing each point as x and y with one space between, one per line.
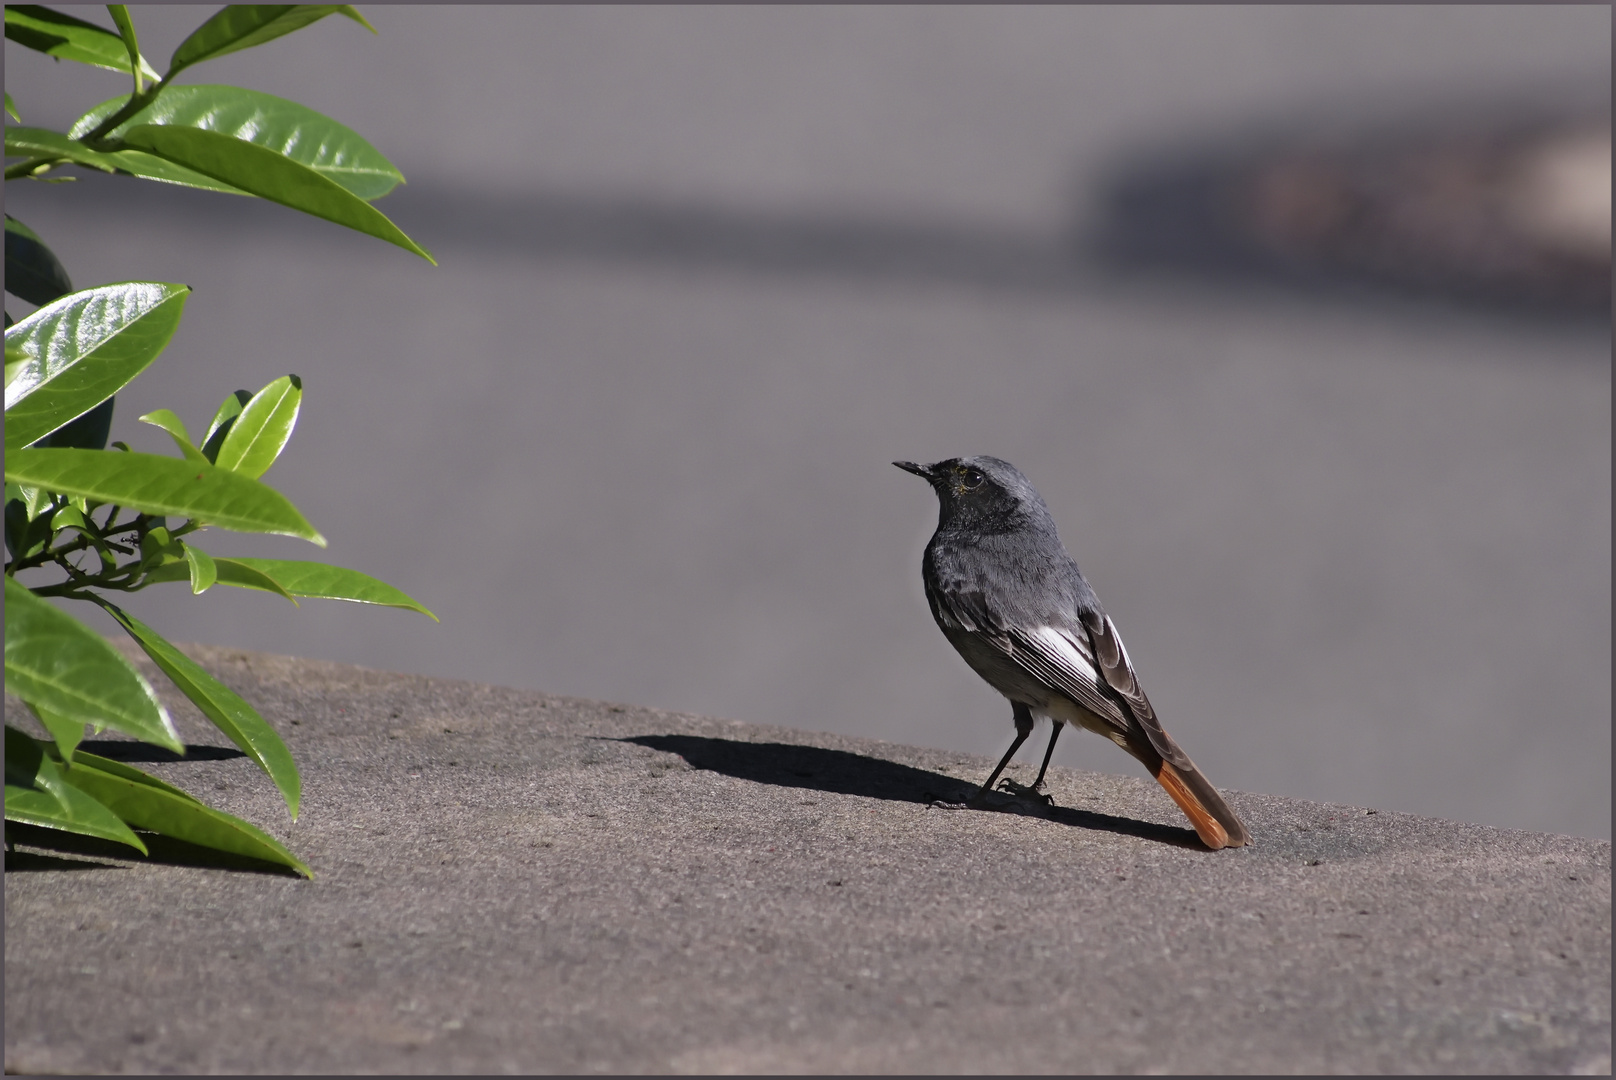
31 166
135 103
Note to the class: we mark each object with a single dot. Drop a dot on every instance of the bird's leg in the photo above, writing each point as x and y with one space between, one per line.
1036 790
1057 726
980 800
1023 717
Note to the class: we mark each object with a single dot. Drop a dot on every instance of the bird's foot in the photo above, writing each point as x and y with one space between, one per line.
981 799
1011 801
1023 791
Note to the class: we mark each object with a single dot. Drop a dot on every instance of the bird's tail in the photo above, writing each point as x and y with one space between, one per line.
1214 822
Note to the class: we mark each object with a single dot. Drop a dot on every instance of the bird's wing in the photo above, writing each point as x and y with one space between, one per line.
1062 659
1087 662
1112 658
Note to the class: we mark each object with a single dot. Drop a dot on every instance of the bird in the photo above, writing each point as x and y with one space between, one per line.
1008 596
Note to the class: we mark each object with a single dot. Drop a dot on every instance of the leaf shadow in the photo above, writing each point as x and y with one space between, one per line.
841 772
26 862
127 750
163 850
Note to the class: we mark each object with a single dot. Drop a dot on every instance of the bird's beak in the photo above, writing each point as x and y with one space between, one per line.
922 471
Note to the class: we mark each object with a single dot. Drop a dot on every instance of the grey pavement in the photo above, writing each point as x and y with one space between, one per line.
707 271
513 882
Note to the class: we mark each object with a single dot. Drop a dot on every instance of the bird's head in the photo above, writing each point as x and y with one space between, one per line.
981 492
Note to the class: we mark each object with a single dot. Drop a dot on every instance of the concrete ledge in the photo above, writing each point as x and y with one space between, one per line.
508 882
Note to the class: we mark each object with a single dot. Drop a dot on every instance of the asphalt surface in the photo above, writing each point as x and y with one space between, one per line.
511 882
705 272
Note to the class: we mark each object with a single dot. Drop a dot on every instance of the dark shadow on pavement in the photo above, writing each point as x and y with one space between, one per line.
123 750
842 773
24 862
163 849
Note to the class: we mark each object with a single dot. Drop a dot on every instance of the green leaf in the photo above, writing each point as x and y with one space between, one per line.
223 420
348 11
158 546
271 176
175 427
127 772
260 433
163 486
203 571
32 269
332 583
35 499
239 573
62 665
86 432
295 132
66 731
34 142
160 809
82 349
228 571
11 108
68 517
131 44
241 26
229 713
68 809
67 38
38 794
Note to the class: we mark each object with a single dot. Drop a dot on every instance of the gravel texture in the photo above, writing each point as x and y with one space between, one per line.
509 882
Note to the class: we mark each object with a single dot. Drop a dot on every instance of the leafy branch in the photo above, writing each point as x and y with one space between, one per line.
84 518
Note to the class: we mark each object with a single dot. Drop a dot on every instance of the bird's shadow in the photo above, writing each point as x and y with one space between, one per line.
843 773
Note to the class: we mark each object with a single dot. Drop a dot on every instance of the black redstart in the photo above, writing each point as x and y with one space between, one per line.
1007 595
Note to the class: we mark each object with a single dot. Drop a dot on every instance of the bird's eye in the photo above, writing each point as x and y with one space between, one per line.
971 480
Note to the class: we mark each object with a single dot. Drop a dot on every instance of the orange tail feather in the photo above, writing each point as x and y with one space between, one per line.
1210 830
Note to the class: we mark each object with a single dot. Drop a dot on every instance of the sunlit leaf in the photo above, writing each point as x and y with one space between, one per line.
66 731
66 38
175 427
227 572
159 809
82 349
35 142
68 517
203 570
241 26
164 486
271 176
295 132
223 420
62 665
128 772
332 583
229 713
37 794
261 431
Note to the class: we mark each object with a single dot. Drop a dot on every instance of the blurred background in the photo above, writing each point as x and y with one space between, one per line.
1297 316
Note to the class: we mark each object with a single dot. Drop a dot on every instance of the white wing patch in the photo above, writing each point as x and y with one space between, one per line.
1061 650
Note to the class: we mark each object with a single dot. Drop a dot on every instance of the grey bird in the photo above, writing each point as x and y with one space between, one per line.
1007 596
